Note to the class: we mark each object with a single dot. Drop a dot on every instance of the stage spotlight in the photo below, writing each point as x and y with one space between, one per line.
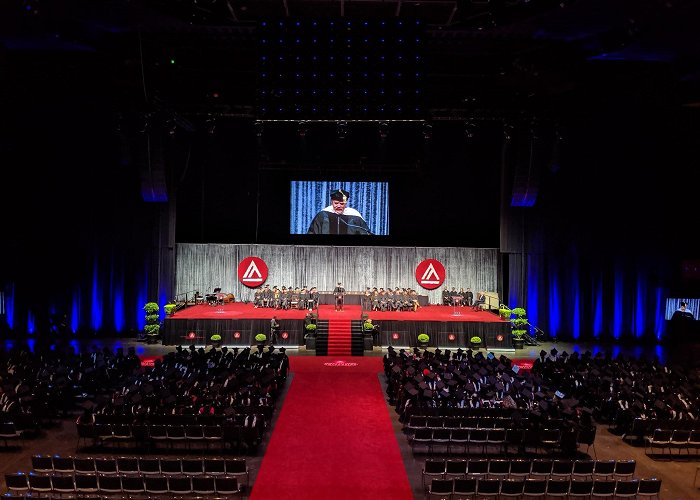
342 129
507 131
383 130
259 127
210 125
171 126
302 128
469 129
427 131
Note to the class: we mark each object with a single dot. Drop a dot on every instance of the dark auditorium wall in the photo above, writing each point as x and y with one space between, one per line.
601 246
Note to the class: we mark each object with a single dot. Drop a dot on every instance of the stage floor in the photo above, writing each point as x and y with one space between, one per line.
240 310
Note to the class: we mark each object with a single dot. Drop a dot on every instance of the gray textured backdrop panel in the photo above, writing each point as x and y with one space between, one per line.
203 267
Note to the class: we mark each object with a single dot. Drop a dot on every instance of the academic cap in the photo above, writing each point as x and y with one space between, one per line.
340 195
428 393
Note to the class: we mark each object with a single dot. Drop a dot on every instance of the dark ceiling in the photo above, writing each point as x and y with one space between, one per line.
484 59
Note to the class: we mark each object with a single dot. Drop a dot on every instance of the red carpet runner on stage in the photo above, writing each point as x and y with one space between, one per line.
334 438
339 337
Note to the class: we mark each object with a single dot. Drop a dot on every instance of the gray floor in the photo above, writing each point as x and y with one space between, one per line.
677 475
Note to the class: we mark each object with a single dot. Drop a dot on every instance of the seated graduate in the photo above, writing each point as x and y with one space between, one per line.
338 218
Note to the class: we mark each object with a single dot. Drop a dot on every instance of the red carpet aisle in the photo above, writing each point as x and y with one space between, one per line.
339 337
334 438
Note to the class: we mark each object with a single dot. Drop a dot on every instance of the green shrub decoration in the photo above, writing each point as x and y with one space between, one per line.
475 340
151 308
423 337
152 326
310 327
151 329
261 337
519 312
215 338
368 325
504 312
169 308
152 318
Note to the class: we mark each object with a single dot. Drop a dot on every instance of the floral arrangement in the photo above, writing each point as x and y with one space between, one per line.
475 339
215 338
423 337
261 337
311 326
169 308
368 325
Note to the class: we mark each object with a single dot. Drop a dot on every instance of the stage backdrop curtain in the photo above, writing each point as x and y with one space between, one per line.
371 199
203 267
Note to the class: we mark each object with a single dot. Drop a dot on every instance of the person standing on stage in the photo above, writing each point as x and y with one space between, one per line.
313 303
367 300
468 297
274 330
339 293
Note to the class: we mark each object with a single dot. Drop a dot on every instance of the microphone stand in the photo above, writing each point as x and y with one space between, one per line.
367 231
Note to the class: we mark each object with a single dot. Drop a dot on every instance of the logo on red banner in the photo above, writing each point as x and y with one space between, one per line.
340 362
430 274
252 272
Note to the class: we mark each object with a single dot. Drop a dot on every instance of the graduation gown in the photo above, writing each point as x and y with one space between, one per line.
329 222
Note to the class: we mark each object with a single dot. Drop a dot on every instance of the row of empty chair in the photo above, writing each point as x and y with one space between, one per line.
642 427
672 439
10 434
81 485
142 466
474 422
462 489
497 440
246 434
542 468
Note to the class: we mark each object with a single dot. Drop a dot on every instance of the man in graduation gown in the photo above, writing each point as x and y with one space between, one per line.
338 218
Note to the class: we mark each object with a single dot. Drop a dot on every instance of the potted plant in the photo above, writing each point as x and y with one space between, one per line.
215 339
310 329
152 327
423 340
368 326
504 312
475 341
169 309
519 325
260 338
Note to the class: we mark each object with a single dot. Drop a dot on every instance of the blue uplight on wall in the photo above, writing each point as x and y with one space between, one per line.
554 310
533 297
95 300
659 315
617 297
75 311
31 323
598 308
639 307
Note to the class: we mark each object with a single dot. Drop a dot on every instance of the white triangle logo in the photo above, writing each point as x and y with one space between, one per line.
252 274
430 276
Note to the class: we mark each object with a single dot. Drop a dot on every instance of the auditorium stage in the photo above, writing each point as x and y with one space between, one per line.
239 322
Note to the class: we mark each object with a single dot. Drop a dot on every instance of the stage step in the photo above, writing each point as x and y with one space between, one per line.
338 337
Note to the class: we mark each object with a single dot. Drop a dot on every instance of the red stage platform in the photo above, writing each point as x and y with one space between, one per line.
239 310
238 323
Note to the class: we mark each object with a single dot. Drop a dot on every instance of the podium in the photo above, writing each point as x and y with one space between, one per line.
456 304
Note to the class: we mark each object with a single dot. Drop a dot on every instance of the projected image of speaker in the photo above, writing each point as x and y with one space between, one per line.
339 208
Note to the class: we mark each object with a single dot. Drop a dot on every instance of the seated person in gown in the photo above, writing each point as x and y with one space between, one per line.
338 218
